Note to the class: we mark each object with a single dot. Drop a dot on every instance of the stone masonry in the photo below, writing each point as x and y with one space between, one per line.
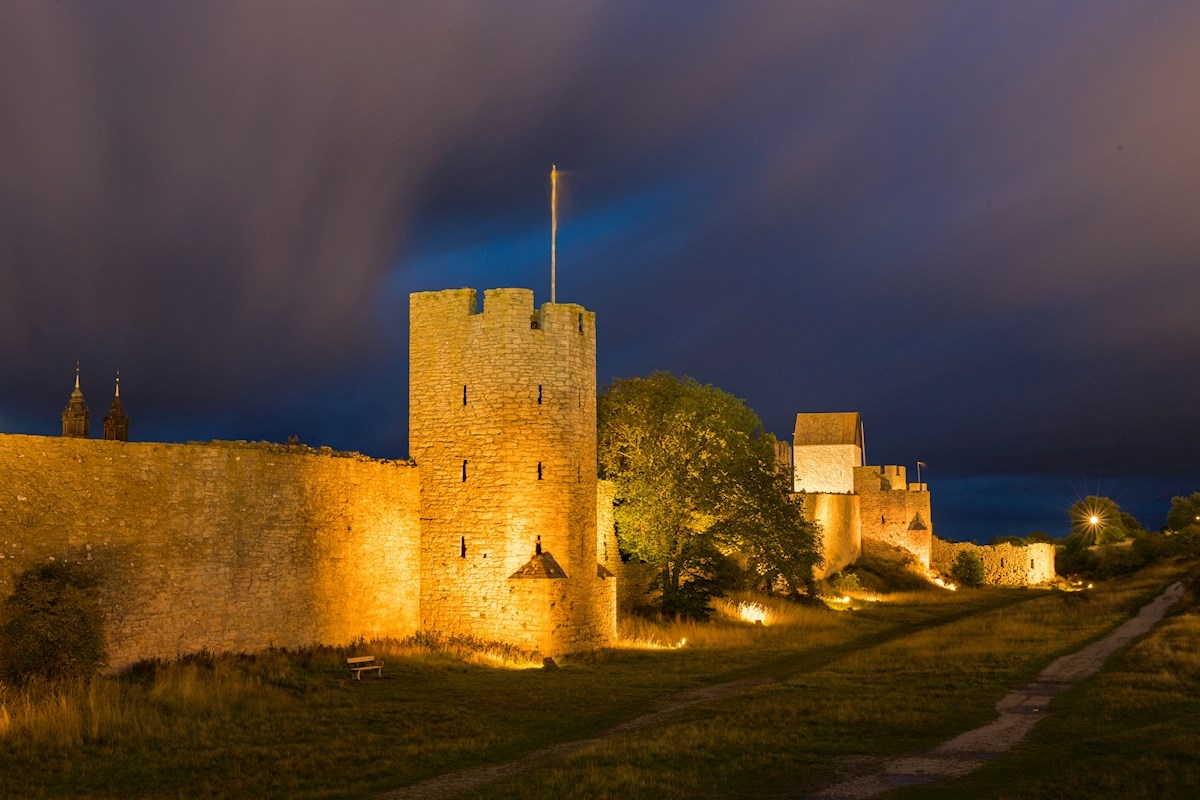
502 421
225 547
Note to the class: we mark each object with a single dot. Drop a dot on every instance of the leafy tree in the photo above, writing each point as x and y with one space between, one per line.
1039 537
696 480
1185 512
55 624
967 569
1096 520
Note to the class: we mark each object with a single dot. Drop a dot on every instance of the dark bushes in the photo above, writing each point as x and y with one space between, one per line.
54 624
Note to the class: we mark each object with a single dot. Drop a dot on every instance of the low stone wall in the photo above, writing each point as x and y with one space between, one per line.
1003 564
222 546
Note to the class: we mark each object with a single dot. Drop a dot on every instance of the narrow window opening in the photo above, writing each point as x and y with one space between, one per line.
535 322
882 519
539 394
537 548
581 323
539 470
1031 564
462 547
1002 563
464 480
464 394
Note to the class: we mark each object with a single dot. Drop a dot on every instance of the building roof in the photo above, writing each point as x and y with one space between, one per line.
834 428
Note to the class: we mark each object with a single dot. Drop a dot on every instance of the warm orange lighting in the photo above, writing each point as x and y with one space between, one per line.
1094 520
754 613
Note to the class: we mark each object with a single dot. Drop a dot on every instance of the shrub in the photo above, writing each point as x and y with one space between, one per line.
55 626
845 583
967 569
1114 560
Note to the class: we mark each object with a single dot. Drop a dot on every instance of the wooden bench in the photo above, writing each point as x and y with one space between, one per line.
360 664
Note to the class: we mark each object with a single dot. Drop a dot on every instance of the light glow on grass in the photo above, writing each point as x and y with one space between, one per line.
754 613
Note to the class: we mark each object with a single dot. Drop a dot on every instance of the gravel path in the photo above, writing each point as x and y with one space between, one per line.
1019 711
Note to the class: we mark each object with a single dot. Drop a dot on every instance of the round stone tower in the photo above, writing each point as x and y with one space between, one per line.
502 425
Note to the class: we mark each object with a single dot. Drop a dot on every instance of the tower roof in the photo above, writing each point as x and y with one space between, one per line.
829 428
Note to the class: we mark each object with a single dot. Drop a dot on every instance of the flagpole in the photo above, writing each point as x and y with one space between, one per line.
553 227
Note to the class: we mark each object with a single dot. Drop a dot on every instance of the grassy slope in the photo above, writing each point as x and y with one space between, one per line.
1129 732
886 678
899 697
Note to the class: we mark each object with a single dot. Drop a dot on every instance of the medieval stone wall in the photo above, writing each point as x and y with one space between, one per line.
895 513
502 421
1003 564
841 531
224 546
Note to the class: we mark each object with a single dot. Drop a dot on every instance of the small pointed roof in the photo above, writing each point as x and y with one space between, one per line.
542 565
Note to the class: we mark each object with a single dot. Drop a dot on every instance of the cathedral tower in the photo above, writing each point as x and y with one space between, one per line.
116 423
502 425
75 416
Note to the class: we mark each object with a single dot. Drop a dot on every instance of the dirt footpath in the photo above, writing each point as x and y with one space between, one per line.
1019 711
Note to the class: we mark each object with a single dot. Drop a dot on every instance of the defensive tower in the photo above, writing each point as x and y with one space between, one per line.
502 425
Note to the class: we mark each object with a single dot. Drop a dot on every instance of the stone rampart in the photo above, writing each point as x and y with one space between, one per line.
841 530
1003 564
894 513
221 546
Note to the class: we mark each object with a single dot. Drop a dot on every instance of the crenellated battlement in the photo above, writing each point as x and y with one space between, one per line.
502 311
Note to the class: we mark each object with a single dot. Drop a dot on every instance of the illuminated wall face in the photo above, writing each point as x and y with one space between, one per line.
502 419
223 547
1003 564
894 513
826 468
839 516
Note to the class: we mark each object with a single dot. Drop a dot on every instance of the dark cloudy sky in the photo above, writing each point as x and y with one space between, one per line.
977 223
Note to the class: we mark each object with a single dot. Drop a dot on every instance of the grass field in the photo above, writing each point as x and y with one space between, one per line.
848 686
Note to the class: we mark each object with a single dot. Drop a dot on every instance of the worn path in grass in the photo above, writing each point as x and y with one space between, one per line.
1020 710
458 782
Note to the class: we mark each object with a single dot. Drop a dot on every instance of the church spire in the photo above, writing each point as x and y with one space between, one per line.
75 415
116 423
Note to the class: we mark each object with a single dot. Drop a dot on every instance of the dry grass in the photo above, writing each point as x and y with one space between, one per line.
901 696
883 678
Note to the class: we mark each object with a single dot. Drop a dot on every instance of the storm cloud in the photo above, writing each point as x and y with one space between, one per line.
974 222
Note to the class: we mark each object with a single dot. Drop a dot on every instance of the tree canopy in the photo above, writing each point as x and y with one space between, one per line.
1099 520
696 482
1184 513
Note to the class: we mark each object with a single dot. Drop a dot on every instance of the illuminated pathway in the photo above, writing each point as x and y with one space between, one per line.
1019 711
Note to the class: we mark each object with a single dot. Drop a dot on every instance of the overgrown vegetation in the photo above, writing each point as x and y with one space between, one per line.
53 624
